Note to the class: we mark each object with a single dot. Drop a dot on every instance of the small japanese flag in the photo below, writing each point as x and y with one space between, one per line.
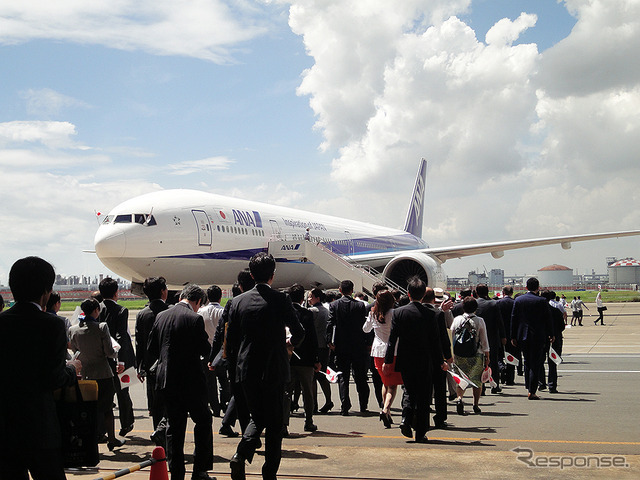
332 375
461 382
492 383
511 360
463 375
554 356
128 377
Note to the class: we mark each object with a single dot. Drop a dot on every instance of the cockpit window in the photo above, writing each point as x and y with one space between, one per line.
123 218
151 220
107 219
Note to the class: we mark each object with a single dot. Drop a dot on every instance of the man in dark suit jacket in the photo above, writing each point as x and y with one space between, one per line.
29 427
155 288
178 340
419 353
530 330
257 348
117 319
346 338
505 304
490 312
439 375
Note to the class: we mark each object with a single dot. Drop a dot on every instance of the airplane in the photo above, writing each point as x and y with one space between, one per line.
190 236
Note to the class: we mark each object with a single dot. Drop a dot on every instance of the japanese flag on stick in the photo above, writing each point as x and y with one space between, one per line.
332 375
463 375
128 377
554 356
461 382
511 360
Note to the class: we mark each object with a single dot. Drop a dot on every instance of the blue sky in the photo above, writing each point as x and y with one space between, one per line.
527 111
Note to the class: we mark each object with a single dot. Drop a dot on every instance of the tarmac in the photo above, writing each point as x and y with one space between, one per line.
589 429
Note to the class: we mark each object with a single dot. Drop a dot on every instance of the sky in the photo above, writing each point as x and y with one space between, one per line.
527 111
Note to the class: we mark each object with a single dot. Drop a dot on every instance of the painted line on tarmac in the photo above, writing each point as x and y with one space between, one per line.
602 355
560 370
515 440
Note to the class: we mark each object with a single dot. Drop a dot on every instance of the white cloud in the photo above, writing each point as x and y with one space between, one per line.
49 134
206 29
47 102
203 166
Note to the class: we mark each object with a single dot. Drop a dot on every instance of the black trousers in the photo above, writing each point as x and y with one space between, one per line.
418 385
179 404
125 405
42 464
325 385
440 396
533 353
359 362
265 403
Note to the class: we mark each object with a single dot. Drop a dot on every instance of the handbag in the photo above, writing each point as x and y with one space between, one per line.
78 418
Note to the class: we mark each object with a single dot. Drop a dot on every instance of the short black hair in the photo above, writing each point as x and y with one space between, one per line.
108 287
262 267
53 299
192 293
416 288
214 293
153 287
296 293
533 284
318 293
469 305
429 294
89 306
346 287
377 287
507 290
482 290
245 280
30 278
235 289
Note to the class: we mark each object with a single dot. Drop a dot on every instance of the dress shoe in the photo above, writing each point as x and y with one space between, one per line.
326 407
125 430
533 396
227 431
237 467
422 439
476 409
285 432
115 443
405 429
159 438
553 390
441 425
364 412
344 413
496 390
201 476
460 407
542 387
310 427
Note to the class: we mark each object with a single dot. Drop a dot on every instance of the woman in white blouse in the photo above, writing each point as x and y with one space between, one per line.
379 320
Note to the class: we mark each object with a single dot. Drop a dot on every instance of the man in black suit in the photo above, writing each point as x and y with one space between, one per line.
490 312
29 427
178 340
346 338
257 348
117 319
439 375
419 354
530 330
155 288
505 304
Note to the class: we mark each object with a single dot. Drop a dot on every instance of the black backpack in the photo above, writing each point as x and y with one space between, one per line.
464 339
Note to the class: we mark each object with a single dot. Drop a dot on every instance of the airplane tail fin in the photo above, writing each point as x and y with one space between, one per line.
413 224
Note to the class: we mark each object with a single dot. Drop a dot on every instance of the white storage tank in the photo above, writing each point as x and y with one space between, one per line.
555 276
624 272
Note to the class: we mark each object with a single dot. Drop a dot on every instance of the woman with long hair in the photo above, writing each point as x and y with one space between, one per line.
379 320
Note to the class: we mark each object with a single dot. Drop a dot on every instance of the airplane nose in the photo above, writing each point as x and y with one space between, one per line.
109 244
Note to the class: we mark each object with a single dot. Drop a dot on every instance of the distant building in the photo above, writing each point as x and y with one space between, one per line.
555 276
625 271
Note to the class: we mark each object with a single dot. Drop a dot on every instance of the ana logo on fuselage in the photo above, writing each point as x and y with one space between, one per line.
247 219
290 247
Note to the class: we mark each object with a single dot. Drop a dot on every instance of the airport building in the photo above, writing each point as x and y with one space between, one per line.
556 275
626 271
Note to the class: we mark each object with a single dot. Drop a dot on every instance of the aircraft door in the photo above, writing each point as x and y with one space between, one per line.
349 242
204 227
276 232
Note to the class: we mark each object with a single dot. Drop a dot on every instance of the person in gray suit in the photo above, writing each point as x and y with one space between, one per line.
257 348
34 344
92 340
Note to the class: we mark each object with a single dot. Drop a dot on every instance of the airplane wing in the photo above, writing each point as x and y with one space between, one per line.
497 249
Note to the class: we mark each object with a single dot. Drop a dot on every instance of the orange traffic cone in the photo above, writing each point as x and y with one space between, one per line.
159 469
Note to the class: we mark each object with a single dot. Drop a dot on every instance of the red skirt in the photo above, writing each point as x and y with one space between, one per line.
395 378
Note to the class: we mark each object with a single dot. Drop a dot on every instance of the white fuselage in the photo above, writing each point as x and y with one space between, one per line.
191 236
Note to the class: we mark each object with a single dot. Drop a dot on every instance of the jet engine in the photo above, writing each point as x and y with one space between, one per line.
406 265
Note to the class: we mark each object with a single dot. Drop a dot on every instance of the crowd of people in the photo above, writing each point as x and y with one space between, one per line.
253 360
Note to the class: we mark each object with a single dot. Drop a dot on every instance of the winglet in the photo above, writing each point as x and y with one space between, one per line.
413 224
